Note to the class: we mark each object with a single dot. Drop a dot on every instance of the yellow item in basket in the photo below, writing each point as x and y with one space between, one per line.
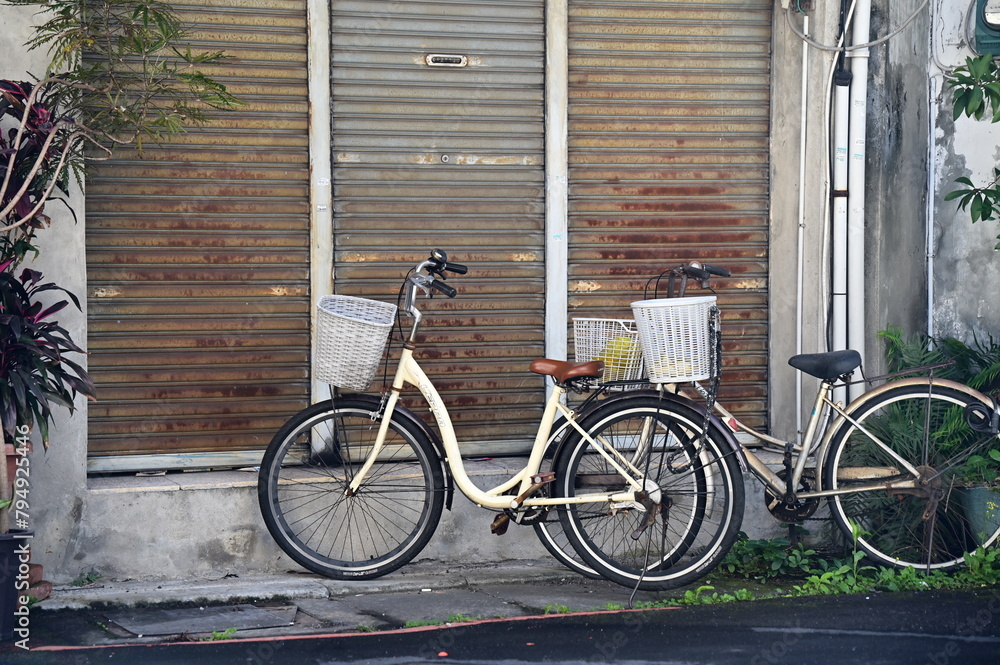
674 367
617 354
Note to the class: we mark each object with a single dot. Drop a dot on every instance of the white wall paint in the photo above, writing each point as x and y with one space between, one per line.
966 267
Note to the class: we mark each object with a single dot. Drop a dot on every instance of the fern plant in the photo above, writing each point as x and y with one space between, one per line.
977 365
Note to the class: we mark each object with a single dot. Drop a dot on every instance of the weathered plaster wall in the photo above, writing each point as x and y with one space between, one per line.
966 267
896 196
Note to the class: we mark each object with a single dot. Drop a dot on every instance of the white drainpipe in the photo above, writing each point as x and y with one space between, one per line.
556 178
856 185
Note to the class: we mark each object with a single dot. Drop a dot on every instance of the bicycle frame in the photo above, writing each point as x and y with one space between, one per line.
526 480
817 445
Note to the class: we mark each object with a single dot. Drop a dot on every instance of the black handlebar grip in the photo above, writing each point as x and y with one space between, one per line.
716 270
696 272
438 285
456 268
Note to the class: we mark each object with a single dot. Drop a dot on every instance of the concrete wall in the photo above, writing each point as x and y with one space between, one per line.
897 151
966 267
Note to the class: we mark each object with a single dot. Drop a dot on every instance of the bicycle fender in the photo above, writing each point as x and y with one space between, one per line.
714 422
409 416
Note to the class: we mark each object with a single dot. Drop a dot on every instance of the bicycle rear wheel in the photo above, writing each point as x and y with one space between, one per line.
949 513
307 469
695 489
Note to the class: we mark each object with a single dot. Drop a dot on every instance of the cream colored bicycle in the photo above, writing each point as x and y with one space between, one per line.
354 487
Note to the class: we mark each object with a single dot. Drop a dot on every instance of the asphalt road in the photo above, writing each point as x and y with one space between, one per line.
933 628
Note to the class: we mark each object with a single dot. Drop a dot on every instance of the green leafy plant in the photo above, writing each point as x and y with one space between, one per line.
699 596
34 364
36 371
555 608
219 635
766 559
975 364
83 579
976 93
419 623
119 75
458 617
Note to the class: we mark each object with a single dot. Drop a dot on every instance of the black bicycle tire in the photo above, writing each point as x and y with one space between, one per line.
327 501
711 540
875 519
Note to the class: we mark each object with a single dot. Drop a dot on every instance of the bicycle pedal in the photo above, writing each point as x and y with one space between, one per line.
500 524
543 478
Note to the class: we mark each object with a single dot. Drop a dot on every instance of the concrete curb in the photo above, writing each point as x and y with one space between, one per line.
292 586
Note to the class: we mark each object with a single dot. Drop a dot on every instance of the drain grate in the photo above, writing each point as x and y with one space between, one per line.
201 619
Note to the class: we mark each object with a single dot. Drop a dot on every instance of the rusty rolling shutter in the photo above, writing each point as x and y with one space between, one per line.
438 142
668 156
198 261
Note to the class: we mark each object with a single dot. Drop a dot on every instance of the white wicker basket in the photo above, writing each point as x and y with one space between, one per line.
614 341
350 338
674 334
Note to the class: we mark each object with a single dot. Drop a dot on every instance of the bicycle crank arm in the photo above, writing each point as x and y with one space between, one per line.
538 481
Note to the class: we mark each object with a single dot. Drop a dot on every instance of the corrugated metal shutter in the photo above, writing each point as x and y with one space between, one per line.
198 261
450 157
668 155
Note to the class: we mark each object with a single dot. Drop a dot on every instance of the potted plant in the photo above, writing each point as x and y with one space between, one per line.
36 373
136 85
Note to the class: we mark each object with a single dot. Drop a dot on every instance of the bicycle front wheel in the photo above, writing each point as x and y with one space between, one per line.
693 506
948 513
304 499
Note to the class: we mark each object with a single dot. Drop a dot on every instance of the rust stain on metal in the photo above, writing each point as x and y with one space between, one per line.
358 257
585 286
497 160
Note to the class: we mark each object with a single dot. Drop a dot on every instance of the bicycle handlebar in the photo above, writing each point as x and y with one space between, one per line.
701 272
425 277
438 263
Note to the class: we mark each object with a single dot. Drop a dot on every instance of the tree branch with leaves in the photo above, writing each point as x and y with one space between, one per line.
976 94
119 75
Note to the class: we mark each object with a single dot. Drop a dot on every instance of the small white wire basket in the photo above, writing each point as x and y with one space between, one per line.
675 338
613 341
350 338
